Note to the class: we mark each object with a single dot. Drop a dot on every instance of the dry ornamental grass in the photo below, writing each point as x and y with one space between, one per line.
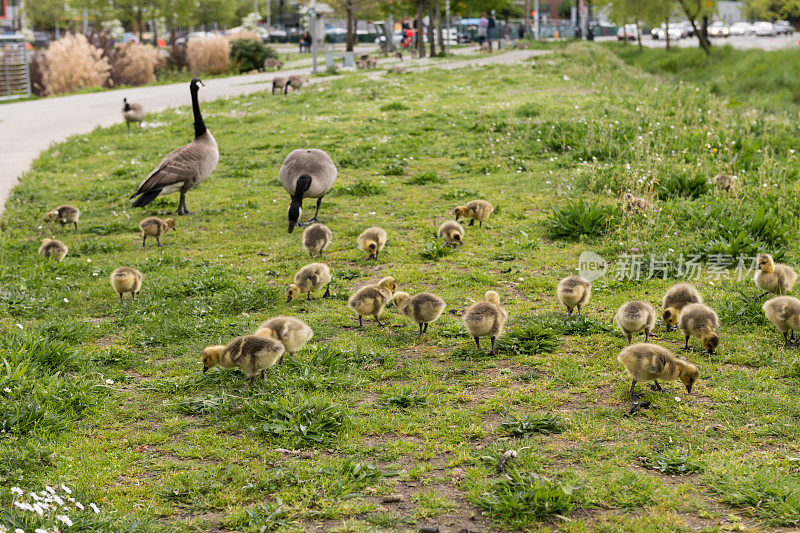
209 55
72 63
135 64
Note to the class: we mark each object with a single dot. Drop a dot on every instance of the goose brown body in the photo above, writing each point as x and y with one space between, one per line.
372 299
64 214
485 319
422 308
53 249
635 316
574 291
698 320
126 279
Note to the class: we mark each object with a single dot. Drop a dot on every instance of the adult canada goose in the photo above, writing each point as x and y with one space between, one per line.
183 168
306 174
295 81
132 112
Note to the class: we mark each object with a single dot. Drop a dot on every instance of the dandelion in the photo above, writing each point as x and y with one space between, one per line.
14 490
64 518
80 506
94 508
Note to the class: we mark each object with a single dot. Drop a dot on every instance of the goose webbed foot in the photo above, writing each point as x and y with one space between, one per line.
308 222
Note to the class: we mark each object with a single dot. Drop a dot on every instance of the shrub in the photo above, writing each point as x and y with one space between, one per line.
519 500
533 338
361 188
300 421
135 64
683 186
246 35
208 55
71 63
424 178
671 462
250 54
578 218
435 251
36 68
177 58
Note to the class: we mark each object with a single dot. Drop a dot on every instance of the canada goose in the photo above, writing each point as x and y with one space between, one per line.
698 320
784 312
452 233
316 238
155 227
423 308
361 64
521 45
306 174
399 55
132 113
126 279
634 203
292 332
64 214
253 354
397 69
295 81
724 182
307 279
372 240
485 47
476 210
485 318
183 168
372 62
371 300
53 249
649 362
271 63
574 291
278 82
635 316
678 297
772 277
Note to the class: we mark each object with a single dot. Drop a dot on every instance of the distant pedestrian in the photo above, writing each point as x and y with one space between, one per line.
521 31
483 29
506 30
490 27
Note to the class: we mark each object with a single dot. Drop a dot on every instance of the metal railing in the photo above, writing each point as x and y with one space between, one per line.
15 76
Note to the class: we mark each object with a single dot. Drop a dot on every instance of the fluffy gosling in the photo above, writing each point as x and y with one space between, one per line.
53 249
309 278
372 299
316 238
649 362
126 279
64 214
724 182
452 232
422 308
678 297
772 277
372 240
632 203
574 291
475 210
251 353
292 332
784 312
698 320
635 316
485 319
155 227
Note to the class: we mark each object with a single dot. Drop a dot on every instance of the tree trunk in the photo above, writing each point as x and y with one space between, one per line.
431 37
348 5
666 25
624 32
139 24
439 33
420 27
155 33
692 16
639 35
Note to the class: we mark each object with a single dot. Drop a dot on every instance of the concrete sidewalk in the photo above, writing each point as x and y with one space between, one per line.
27 128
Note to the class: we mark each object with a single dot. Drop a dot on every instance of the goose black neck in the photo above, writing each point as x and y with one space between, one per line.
127 105
199 125
300 187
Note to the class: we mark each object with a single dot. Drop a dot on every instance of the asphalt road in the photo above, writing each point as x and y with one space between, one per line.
27 128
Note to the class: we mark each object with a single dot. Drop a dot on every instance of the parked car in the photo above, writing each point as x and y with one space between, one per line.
742 28
628 32
660 34
764 29
686 28
783 28
718 29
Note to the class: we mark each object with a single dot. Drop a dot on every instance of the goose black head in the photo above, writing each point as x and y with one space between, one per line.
294 215
195 84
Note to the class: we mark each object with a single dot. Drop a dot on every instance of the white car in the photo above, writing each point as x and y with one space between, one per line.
718 29
675 33
764 29
742 28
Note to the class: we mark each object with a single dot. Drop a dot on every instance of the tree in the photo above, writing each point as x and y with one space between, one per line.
694 11
658 12
772 9
47 13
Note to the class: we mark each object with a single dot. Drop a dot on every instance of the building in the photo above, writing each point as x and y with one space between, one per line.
9 16
730 12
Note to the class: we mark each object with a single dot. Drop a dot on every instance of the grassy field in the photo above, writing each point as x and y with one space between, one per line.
375 428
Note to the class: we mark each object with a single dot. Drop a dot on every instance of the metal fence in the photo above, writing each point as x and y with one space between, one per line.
15 77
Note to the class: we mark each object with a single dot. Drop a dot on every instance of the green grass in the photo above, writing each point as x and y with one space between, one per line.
378 428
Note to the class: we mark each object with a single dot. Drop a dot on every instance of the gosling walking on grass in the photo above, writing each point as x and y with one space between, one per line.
784 313
574 292
372 240
452 233
155 227
485 319
698 320
635 316
772 277
64 214
292 332
422 308
649 362
309 278
252 354
316 238
53 249
126 279
475 210
678 297
372 299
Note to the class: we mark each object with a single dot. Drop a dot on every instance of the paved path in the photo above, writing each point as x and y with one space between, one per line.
27 128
